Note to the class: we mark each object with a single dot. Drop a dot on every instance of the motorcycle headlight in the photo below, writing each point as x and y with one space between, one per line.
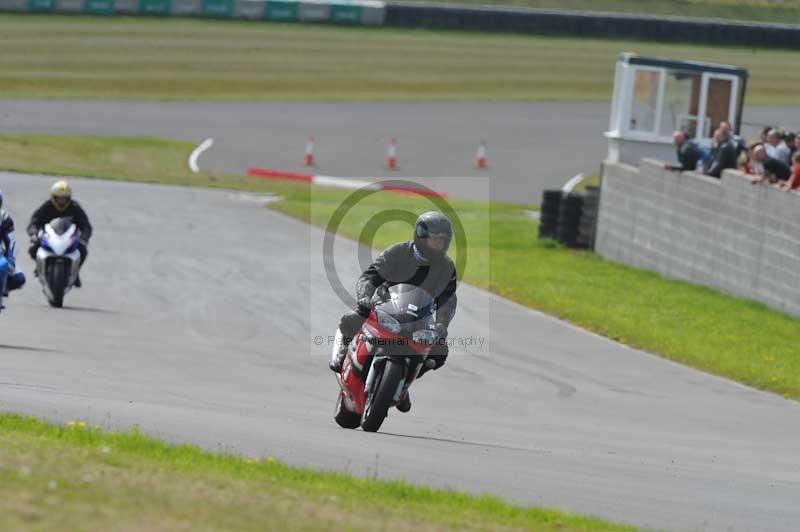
424 336
388 322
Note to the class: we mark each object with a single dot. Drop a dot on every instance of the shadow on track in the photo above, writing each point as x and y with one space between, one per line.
462 442
28 348
91 309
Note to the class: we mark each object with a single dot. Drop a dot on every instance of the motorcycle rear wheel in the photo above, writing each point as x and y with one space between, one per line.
381 400
345 418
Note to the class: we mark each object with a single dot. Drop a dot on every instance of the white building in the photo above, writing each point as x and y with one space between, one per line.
654 97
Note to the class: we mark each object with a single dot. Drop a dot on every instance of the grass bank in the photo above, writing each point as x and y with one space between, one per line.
184 59
779 11
700 327
77 477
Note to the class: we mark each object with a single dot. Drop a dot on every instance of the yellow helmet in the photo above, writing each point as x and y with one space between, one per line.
61 195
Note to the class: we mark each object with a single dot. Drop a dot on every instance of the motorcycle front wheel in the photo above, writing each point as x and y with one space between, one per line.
380 401
58 283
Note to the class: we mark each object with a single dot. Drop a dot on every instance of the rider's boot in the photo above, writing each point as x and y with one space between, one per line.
78 282
404 405
338 353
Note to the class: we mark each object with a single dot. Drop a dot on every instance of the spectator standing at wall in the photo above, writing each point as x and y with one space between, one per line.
687 150
738 142
723 155
777 148
794 181
774 169
750 165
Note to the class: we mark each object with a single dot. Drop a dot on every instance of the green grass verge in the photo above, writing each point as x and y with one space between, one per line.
700 327
780 11
77 477
184 59
143 159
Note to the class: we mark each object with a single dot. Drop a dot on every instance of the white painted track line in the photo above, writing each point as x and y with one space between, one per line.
206 144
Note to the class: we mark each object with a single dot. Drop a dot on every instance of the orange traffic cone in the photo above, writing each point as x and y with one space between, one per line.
391 155
309 158
480 157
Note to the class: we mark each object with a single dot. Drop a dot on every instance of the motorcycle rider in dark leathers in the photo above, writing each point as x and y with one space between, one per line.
10 279
61 205
421 262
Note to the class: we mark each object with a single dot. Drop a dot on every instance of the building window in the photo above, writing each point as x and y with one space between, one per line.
644 104
681 103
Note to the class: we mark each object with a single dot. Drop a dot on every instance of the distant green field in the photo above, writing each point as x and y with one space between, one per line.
781 11
185 59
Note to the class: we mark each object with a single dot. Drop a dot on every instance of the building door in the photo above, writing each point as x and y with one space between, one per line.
718 99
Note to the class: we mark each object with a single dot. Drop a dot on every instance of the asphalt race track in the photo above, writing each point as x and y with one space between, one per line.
531 146
197 322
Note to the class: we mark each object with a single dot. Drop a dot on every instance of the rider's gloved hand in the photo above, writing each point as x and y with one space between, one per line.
365 305
440 329
433 362
34 246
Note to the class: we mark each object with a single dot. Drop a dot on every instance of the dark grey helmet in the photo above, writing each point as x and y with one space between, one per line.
433 233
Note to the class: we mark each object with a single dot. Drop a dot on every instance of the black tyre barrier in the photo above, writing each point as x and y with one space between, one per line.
548 220
570 218
587 227
567 236
550 197
570 209
551 200
603 25
547 231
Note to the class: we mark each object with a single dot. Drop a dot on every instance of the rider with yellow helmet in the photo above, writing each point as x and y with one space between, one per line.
60 205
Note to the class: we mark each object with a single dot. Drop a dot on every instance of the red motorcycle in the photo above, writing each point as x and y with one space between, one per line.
385 356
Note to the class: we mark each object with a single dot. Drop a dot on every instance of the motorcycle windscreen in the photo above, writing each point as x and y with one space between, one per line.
61 225
413 307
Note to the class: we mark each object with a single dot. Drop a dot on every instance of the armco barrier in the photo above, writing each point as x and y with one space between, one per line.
151 7
586 24
726 233
281 11
218 8
40 5
364 12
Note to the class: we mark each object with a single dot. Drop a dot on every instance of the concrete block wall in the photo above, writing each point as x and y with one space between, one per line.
725 233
